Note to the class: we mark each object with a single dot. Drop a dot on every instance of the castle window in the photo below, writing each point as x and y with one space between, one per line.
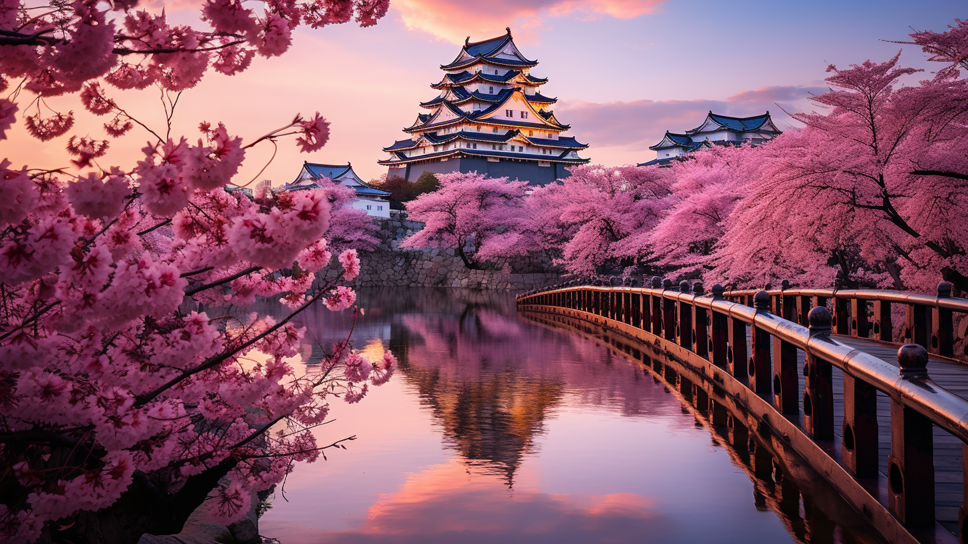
368 207
524 115
530 133
510 113
490 90
379 208
493 146
495 130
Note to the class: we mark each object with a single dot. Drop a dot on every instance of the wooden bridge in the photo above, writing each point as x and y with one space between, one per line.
820 372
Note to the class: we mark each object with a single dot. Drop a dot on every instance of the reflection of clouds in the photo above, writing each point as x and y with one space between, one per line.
448 503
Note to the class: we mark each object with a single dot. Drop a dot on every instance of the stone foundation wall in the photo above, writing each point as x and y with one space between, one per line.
390 266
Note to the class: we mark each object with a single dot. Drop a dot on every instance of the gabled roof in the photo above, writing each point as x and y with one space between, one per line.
335 173
486 51
566 142
562 157
715 122
401 144
331 171
482 116
672 140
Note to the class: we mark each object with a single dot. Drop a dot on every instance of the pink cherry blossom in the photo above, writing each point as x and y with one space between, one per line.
315 134
351 264
340 299
103 345
51 127
8 116
19 193
98 197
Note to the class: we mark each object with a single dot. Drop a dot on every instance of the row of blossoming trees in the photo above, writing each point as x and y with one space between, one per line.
124 403
875 188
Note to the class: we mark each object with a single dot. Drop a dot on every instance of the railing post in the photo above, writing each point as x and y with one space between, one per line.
818 399
860 427
720 332
788 303
859 325
645 303
841 316
700 398
916 325
717 413
786 384
739 434
910 473
700 329
883 327
627 305
636 309
685 387
942 325
963 511
656 307
803 310
685 319
760 375
668 313
736 354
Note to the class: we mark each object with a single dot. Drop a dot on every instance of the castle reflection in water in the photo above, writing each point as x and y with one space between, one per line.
493 382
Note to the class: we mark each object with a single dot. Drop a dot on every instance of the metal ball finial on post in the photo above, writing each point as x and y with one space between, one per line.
913 361
761 301
820 320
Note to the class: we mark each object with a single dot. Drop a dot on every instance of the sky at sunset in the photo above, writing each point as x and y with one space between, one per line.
624 71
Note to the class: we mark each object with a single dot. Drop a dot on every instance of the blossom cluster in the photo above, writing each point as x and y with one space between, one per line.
119 373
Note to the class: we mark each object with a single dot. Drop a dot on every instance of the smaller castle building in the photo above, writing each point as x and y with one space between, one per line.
715 130
368 199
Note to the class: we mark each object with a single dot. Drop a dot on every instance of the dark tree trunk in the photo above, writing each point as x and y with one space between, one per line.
463 256
958 281
143 509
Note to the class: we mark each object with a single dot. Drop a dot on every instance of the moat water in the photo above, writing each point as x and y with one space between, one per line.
500 429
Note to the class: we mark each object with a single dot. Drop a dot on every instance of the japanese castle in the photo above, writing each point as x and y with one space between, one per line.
490 118
368 199
715 130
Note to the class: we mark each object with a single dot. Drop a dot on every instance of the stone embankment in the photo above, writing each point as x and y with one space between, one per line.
390 266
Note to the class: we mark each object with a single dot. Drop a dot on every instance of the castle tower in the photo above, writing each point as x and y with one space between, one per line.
489 117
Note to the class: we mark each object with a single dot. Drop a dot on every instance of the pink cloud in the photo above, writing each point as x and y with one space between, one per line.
773 93
621 132
453 20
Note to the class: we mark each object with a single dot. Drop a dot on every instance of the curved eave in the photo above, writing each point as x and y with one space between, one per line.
456 153
535 142
489 60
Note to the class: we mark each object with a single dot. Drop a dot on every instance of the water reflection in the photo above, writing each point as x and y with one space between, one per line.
499 429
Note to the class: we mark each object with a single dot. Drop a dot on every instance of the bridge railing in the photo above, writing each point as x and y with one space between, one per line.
928 321
758 346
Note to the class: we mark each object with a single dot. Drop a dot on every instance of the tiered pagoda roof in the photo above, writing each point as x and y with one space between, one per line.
489 105
715 130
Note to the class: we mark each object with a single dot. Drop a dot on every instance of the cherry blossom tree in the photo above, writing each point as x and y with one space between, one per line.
949 47
349 228
126 401
599 217
871 187
706 187
470 209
